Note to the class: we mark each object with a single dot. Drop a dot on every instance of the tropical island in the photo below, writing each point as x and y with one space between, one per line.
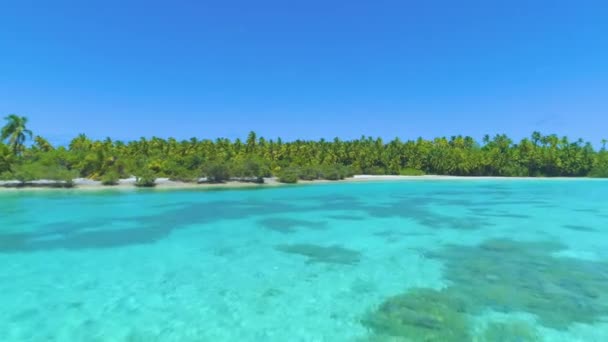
255 159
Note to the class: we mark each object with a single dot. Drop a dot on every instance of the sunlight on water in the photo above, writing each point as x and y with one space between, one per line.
509 260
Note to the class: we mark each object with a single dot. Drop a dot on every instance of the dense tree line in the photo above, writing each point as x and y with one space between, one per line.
257 157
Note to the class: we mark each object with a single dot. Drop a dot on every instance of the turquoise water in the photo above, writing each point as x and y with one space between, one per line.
484 260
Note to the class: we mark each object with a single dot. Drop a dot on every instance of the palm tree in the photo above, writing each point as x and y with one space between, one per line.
16 132
6 158
536 136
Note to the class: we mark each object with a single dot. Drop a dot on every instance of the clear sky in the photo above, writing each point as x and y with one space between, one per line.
305 69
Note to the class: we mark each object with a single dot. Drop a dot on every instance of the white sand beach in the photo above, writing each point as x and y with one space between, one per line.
167 184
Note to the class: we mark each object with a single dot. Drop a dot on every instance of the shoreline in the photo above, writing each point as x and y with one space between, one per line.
476 178
166 184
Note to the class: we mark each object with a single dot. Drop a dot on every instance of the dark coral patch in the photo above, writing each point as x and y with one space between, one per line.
509 276
420 315
500 274
579 228
287 225
320 254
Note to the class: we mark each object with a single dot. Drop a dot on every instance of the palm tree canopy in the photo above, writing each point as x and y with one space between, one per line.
15 132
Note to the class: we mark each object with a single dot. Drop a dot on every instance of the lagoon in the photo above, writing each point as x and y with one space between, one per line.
449 260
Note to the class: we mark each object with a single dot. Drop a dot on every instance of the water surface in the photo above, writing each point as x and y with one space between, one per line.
485 260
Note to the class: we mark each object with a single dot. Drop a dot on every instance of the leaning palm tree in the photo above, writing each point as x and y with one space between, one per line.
15 132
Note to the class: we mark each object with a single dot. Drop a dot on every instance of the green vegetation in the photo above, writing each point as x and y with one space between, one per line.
217 172
6 160
145 178
221 160
313 172
15 132
411 172
289 175
252 169
39 170
110 178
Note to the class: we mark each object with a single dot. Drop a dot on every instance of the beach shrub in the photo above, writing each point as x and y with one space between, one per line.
374 170
332 172
183 174
599 173
600 170
288 175
328 172
145 182
309 173
516 171
411 172
25 173
347 170
62 175
253 169
6 175
217 172
145 178
28 172
110 178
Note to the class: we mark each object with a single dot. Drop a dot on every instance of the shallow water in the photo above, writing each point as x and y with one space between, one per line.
485 260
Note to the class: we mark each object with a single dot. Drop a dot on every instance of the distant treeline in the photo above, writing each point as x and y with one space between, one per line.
221 159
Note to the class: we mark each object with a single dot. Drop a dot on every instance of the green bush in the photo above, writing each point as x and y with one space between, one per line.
411 172
600 170
65 183
374 170
332 172
28 172
6 175
25 173
110 178
59 173
251 169
309 173
145 182
599 173
514 171
183 175
336 172
348 171
288 175
217 172
145 178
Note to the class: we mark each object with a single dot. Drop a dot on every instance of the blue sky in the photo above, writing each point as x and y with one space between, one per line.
305 69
